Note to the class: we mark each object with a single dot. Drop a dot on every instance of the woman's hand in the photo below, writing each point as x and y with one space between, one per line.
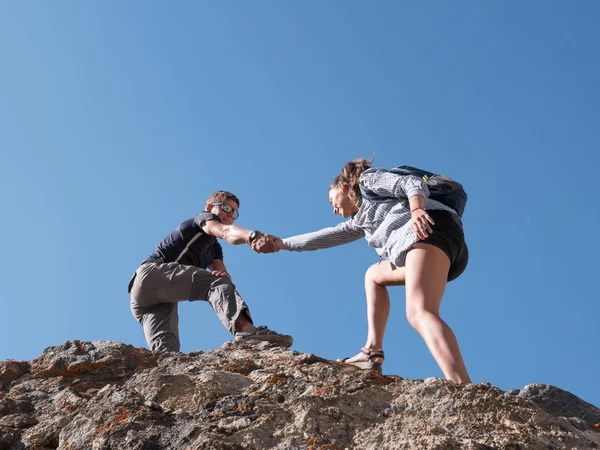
421 223
278 243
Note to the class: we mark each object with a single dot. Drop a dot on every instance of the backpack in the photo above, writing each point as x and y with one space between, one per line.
441 188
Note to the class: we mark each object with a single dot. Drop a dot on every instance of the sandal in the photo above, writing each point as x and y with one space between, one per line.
366 364
264 334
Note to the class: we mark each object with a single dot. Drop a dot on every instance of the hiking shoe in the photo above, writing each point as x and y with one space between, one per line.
264 334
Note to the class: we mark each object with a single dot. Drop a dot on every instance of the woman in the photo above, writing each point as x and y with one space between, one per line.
423 245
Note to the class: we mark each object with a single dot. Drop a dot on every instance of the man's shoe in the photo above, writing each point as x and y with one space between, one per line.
264 334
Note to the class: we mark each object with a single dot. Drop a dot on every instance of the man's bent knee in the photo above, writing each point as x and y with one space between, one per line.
223 286
204 288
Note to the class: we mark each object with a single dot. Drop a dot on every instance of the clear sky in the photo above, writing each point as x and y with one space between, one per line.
118 119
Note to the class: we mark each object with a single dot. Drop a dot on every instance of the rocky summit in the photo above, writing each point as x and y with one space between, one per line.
108 395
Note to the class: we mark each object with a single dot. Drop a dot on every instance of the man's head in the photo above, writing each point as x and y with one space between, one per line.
223 204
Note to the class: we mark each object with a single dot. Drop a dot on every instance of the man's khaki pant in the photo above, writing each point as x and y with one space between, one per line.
157 288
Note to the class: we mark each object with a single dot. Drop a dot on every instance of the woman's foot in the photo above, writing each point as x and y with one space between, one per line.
366 359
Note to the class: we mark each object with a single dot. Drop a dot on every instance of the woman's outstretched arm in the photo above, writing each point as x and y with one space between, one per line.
343 233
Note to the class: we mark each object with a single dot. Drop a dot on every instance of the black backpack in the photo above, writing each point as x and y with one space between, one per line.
441 188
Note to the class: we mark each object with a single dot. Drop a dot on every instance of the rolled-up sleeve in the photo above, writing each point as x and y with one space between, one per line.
343 233
388 184
204 217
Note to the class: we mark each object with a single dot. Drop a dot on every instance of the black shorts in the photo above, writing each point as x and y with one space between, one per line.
448 236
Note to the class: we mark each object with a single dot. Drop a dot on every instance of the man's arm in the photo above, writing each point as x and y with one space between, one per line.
237 235
230 233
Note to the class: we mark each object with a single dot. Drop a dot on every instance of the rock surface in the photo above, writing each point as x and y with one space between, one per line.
107 395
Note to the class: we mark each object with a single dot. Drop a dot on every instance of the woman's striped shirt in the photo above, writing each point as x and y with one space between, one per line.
385 225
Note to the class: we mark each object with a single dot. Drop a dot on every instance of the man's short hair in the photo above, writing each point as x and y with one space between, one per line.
221 196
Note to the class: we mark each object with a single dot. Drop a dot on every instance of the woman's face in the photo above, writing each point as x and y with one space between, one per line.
341 203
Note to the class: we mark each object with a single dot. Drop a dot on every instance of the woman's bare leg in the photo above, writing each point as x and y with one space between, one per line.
426 274
378 276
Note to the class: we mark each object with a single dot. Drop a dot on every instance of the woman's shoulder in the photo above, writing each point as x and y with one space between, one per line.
371 176
373 171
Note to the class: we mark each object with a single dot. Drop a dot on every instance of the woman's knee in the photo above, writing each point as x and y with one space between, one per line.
375 275
371 275
384 274
418 316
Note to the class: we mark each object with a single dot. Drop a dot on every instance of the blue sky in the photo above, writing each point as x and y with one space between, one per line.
117 120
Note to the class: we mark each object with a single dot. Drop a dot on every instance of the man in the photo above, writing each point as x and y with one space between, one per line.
176 271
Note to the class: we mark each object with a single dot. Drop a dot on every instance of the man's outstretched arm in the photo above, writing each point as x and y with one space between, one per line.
237 235
230 233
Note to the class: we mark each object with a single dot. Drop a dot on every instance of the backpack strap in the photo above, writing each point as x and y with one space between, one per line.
189 244
409 170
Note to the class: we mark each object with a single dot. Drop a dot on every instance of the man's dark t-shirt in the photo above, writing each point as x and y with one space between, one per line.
202 249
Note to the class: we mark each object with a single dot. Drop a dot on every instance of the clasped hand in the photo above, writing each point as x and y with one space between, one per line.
267 243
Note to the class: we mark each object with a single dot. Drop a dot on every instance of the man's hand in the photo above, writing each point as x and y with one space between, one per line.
265 244
220 273
218 269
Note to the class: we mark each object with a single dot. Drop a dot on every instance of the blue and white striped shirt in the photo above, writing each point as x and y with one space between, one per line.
385 225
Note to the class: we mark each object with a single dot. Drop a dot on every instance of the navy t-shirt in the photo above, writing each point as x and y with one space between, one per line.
203 248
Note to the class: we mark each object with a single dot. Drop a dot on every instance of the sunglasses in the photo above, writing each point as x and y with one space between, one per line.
228 209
